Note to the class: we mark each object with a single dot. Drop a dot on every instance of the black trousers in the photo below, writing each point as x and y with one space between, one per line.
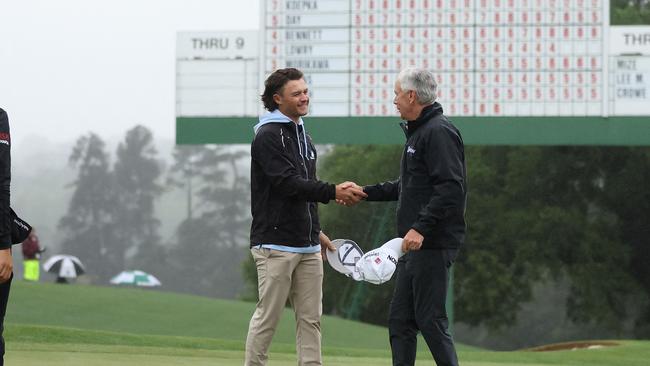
418 304
4 299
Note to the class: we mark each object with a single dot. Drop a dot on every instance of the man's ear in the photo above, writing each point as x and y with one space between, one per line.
277 98
413 96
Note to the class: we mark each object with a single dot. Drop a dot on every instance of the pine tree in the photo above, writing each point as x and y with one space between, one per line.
88 225
137 172
211 241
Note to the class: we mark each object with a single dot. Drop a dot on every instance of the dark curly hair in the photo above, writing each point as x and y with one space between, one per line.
274 84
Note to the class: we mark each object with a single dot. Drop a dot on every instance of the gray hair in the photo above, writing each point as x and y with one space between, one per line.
421 81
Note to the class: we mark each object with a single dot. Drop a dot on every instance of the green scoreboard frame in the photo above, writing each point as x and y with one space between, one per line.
612 131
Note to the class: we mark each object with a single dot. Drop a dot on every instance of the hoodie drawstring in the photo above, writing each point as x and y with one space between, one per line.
300 147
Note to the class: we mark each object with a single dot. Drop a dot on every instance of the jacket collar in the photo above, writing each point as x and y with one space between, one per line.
427 113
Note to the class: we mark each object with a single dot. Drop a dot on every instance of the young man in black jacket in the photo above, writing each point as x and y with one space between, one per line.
431 193
285 234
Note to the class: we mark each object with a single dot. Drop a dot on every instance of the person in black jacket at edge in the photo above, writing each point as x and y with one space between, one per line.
431 192
285 236
12 229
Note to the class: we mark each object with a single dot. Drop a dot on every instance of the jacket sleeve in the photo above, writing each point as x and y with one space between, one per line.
386 191
269 153
446 166
5 181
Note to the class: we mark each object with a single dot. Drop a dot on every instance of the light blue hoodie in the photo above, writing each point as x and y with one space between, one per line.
278 117
273 117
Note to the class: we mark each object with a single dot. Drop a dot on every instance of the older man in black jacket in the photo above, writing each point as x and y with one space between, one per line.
431 193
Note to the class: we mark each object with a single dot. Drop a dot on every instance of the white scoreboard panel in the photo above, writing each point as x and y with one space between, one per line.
217 74
629 64
218 87
490 57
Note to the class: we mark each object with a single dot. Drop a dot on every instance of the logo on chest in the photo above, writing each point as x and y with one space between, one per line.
410 150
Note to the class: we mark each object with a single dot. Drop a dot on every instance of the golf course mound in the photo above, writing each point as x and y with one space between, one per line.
569 346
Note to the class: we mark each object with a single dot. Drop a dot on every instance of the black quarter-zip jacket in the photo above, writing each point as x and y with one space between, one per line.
13 229
432 188
284 187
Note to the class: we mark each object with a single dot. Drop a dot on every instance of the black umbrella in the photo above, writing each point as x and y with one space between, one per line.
65 266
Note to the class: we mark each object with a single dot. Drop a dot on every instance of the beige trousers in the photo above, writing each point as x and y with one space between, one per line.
282 275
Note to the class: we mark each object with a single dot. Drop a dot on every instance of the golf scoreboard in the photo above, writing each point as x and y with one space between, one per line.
491 58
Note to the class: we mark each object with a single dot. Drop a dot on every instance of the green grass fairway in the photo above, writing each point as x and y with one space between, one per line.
165 350
49 324
142 311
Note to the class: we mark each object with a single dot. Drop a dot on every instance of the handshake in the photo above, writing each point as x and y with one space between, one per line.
349 194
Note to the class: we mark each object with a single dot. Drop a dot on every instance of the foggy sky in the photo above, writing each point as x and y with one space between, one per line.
68 67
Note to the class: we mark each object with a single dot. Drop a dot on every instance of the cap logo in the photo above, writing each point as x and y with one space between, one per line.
4 138
377 260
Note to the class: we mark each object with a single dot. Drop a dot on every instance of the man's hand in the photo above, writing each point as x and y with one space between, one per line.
325 244
412 241
6 265
349 194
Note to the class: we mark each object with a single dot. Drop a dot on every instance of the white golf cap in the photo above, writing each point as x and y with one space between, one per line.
378 265
345 257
